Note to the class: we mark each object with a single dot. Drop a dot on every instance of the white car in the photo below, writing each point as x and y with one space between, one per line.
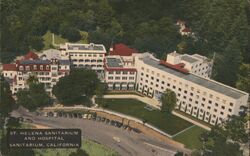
117 139
55 114
85 116
45 114
89 116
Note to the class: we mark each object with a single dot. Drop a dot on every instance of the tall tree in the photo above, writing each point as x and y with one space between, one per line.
77 87
33 97
168 101
6 99
243 82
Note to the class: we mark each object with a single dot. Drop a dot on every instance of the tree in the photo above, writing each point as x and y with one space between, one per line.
168 100
6 99
77 87
243 82
224 139
100 91
36 42
33 97
79 152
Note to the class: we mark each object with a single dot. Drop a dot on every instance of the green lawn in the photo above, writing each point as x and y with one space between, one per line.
190 138
91 147
60 40
167 122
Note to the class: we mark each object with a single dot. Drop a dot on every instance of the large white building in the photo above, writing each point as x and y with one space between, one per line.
195 64
200 97
84 55
48 72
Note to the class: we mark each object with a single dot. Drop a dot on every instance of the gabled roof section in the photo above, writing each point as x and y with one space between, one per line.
9 67
122 50
31 56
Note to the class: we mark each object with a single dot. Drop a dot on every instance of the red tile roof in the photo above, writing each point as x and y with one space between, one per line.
177 67
186 30
122 50
30 55
9 67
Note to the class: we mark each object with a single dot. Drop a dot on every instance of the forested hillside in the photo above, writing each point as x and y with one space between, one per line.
220 26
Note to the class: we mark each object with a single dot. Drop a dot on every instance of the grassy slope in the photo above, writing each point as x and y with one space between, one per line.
59 40
168 123
191 137
92 148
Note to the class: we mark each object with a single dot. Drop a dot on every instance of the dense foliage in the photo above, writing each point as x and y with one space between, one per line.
33 97
220 26
168 101
225 140
6 100
77 87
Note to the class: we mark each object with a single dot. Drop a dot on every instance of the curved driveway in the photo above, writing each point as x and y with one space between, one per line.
131 143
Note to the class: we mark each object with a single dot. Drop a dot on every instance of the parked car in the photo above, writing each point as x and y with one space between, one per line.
85 116
107 121
98 118
79 115
50 114
70 115
74 115
103 119
60 114
65 115
112 122
45 114
89 116
136 130
55 115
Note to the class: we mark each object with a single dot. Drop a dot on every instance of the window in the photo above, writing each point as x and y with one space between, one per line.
152 77
179 89
47 67
157 85
118 72
223 107
142 74
168 85
208 107
196 102
216 104
162 82
174 87
20 67
231 104
111 72
110 77
210 102
131 78
131 72
151 83
215 110
157 80
221 113
230 110
27 67
117 78
146 75
124 78
184 97
185 91
125 72
190 100
203 99
191 94
35 67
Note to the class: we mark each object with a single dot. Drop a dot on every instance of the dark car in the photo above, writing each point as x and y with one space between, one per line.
136 130
50 114
103 119
79 115
112 122
75 115
60 114
70 115
107 121
65 115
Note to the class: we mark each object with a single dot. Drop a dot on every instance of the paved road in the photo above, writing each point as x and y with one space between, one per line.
131 143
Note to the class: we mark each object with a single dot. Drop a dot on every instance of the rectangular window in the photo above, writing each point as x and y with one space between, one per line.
118 72
110 78
124 78
125 72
